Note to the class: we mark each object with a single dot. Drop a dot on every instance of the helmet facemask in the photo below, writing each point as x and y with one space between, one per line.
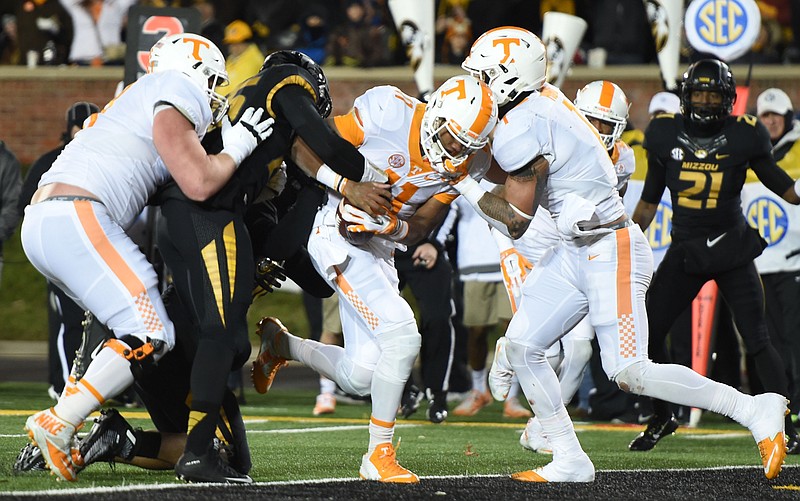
604 101
708 75
219 103
466 109
199 59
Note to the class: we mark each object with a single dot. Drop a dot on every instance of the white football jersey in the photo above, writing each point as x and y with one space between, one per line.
542 233
385 126
547 124
114 156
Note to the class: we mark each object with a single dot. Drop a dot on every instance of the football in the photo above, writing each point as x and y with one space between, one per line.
355 238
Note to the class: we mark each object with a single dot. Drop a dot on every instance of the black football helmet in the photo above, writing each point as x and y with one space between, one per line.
324 102
709 75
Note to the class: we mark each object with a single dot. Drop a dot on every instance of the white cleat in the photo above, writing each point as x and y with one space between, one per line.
501 375
532 438
767 428
577 469
54 437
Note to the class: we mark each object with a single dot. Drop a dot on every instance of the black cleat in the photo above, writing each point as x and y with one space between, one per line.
437 406
110 437
410 401
657 428
30 459
208 468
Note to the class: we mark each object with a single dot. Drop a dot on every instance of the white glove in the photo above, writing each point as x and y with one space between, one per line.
241 139
359 221
373 173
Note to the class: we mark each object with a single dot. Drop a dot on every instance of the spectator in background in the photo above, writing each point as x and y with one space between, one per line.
355 42
274 21
65 317
98 31
44 29
244 57
313 36
210 27
9 47
621 29
10 183
457 38
779 265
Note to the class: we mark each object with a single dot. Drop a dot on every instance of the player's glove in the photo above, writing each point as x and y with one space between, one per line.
387 225
241 139
515 268
269 276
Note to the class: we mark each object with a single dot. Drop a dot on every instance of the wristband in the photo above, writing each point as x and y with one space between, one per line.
470 189
329 178
400 232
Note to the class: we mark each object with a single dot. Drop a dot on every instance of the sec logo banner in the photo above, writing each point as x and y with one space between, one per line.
768 217
724 28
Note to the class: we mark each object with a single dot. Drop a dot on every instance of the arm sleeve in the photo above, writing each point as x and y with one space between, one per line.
656 178
295 103
655 181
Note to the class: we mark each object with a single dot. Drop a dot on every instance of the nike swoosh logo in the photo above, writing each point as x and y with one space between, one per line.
771 456
592 257
712 243
720 156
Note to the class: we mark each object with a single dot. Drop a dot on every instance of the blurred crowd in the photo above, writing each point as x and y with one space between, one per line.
358 33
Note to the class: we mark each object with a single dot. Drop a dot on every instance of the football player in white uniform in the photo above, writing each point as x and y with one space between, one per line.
605 106
600 268
74 229
413 143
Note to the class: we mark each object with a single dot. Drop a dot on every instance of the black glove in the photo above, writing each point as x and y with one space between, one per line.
269 275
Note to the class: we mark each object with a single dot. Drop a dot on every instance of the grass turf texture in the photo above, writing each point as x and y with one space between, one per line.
289 444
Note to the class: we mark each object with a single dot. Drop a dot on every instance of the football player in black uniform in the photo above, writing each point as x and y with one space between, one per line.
207 246
702 156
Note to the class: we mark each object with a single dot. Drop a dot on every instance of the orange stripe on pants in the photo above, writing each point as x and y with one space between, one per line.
625 320
106 250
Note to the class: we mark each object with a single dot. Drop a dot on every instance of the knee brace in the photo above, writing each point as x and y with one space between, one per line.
631 378
353 378
141 355
399 350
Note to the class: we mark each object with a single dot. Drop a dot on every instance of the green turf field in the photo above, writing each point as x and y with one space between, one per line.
288 443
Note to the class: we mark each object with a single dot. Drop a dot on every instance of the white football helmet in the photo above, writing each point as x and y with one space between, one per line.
605 101
511 60
466 108
199 59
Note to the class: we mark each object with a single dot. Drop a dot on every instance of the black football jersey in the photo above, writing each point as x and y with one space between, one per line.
705 175
264 90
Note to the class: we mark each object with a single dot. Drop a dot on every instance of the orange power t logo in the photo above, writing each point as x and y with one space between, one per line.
506 43
197 44
460 88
